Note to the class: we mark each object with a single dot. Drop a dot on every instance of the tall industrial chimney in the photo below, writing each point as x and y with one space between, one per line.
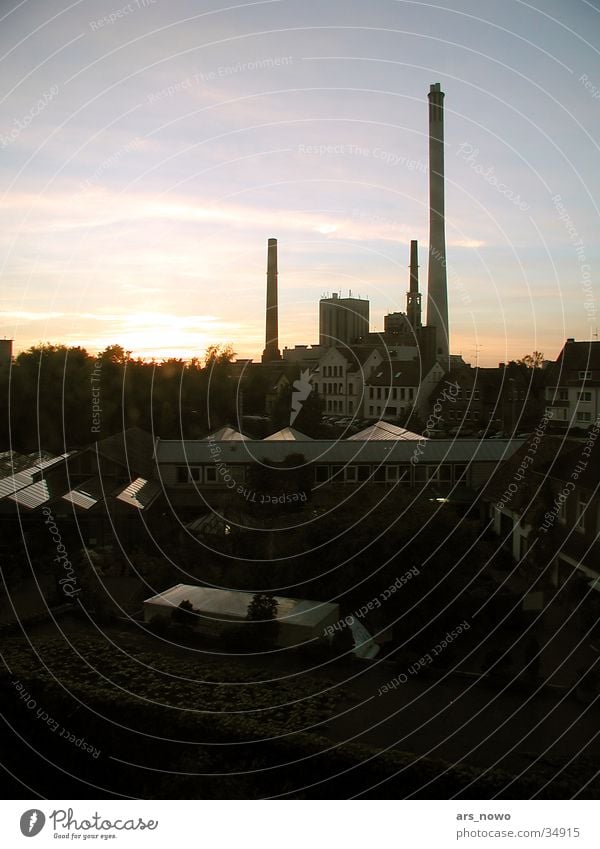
271 352
437 286
413 296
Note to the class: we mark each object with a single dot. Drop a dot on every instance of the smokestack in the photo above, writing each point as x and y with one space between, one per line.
413 297
437 286
271 352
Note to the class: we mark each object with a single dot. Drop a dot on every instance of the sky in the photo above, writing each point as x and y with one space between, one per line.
149 149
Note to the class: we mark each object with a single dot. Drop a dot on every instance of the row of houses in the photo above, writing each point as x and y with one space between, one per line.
383 382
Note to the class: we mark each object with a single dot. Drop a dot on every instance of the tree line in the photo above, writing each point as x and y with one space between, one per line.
57 397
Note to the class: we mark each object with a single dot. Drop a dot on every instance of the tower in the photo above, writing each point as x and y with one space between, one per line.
437 286
413 296
342 321
271 352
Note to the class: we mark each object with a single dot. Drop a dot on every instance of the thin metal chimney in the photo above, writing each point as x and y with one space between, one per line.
437 285
413 297
271 352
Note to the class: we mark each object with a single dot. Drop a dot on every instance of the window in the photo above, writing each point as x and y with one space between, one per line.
476 395
182 474
460 474
350 406
411 393
337 471
585 375
321 474
379 474
394 393
420 473
371 410
475 415
584 417
580 516
391 473
379 393
562 512
563 394
210 474
351 474
316 385
584 396
364 473
195 473
404 475
350 389
371 392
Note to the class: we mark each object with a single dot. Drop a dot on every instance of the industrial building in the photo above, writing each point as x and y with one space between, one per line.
345 321
342 321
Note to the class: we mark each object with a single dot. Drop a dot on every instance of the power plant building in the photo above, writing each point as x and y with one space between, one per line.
342 321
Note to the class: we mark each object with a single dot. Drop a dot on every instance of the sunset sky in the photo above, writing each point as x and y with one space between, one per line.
149 149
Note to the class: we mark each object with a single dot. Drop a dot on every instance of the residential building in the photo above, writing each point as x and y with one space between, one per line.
573 385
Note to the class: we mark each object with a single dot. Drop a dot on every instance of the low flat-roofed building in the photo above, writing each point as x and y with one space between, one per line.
299 620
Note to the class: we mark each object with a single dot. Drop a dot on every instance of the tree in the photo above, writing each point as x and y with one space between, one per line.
185 614
262 610
218 355
534 360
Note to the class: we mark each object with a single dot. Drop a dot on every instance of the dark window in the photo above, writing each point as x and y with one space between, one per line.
460 473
